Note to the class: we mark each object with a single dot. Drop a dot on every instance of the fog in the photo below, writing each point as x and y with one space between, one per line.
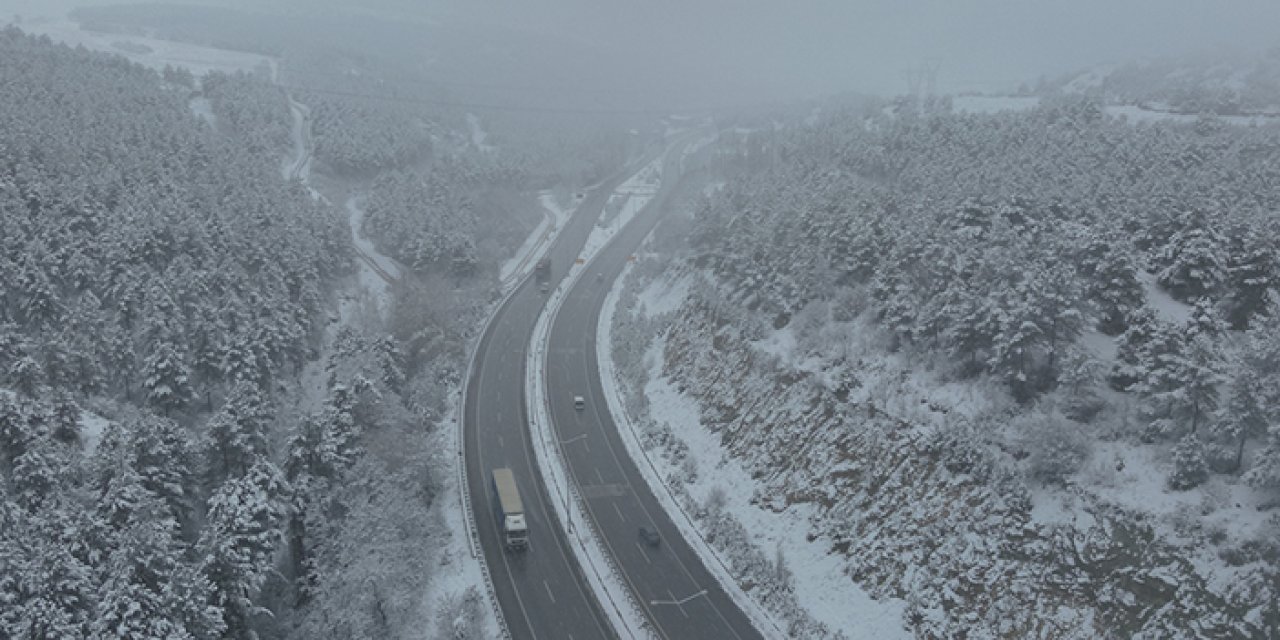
699 53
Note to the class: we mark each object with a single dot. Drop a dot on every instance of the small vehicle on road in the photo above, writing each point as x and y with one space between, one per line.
650 536
579 402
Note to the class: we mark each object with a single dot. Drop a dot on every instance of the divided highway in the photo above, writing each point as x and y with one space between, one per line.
679 595
542 591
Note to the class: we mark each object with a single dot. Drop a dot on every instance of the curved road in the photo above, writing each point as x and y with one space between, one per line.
680 597
541 590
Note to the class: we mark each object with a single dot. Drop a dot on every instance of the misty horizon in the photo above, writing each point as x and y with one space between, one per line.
721 54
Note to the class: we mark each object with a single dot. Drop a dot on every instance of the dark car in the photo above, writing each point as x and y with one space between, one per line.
650 536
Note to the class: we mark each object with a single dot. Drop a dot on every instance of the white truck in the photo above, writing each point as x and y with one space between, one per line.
515 531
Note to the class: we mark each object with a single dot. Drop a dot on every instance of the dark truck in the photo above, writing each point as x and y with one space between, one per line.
542 274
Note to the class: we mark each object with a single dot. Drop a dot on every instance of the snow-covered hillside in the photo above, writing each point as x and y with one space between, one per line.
858 351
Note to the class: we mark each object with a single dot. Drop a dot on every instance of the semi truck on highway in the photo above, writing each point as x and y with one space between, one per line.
510 510
542 273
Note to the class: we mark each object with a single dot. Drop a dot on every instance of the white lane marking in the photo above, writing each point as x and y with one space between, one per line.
643 509
599 475
620 516
643 553
676 602
552 596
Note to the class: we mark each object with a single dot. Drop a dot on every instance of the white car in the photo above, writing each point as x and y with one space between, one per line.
579 402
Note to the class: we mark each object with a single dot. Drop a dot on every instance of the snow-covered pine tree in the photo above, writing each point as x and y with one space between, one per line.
1189 466
1196 258
166 378
237 433
237 545
1253 272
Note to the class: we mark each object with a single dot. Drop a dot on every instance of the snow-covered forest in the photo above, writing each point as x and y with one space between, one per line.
1016 370
189 446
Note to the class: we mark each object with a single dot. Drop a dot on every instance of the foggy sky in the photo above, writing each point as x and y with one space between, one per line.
778 49
820 46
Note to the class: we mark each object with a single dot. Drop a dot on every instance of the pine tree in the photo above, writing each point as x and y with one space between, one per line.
1189 466
1196 259
237 433
167 378
1243 416
1253 271
238 543
1114 288
148 591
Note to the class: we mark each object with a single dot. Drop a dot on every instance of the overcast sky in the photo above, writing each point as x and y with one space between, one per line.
834 45
803 48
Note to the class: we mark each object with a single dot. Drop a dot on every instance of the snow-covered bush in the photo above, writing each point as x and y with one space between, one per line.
1057 447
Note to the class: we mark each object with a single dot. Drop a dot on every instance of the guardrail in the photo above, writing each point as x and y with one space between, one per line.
464 491
760 617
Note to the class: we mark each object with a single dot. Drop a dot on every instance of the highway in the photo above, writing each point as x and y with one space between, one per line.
680 597
542 591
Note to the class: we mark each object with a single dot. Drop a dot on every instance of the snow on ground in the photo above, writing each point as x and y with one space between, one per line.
458 569
153 52
1099 345
1166 308
369 278
665 296
1133 476
820 584
91 427
478 134
993 104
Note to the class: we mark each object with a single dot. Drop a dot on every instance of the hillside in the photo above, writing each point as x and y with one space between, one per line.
1014 371
1224 86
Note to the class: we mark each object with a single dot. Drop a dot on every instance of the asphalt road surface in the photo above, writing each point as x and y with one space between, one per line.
680 597
541 590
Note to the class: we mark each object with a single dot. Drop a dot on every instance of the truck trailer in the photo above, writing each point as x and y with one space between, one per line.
515 532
